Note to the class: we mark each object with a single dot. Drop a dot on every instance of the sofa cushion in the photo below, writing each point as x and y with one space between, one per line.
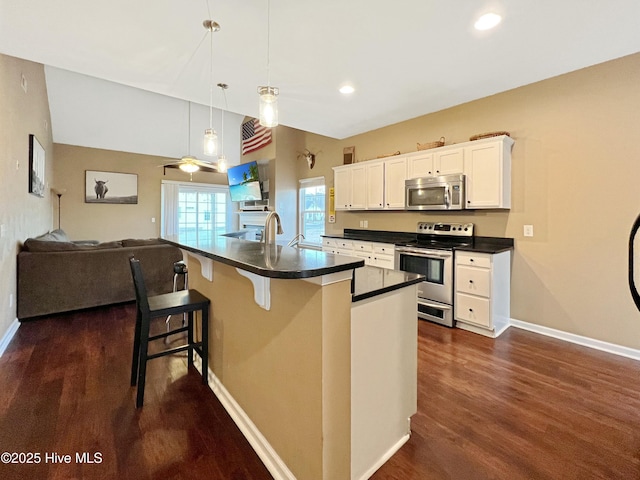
134 242
37 245
54 236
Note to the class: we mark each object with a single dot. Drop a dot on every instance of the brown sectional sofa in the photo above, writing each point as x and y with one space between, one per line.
56 275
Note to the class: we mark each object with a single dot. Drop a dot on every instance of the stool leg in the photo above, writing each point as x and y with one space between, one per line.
205 345
142 369
168 320
190 340
135 361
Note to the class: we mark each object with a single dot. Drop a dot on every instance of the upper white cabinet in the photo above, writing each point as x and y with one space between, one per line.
395 173
350 184
375 185
379 184
439 161
487 168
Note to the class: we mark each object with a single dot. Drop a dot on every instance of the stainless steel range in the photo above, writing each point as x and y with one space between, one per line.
432 255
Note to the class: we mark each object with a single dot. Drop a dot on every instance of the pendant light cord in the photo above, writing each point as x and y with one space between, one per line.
268 41
211 83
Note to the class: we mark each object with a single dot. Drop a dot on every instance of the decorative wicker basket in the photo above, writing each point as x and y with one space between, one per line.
389 154
427 146
488 135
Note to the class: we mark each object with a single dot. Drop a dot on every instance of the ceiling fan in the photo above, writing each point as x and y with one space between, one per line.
189 163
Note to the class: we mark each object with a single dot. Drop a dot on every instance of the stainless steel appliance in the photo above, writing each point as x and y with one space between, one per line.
445 192
432 255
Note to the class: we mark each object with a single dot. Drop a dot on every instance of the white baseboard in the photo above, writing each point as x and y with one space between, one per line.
258 442
383 459
8 335
578 339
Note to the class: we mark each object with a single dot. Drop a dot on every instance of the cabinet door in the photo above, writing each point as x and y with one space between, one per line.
342 188
449 162
420 165
483 170
358 188
375 185
395 173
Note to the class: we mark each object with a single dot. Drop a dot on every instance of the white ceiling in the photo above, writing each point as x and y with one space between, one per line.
405 58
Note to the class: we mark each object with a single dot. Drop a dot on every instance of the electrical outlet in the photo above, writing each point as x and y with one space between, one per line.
366 224
153 219
11 300
528 230
361 223
23 83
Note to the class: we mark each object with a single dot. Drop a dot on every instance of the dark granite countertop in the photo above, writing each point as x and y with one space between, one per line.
479 245
274 261
371 281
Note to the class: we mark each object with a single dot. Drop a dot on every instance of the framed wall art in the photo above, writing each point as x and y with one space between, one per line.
36 167
110 187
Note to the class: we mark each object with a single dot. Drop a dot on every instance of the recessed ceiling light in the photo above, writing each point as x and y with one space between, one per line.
347 89
487 21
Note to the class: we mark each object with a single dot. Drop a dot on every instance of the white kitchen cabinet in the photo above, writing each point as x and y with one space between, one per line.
440 161
395 173
349 186
373 253
482 292
383 255
449 161
487 167
374 185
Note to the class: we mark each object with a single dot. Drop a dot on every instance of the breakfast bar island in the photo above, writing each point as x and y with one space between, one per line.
313 355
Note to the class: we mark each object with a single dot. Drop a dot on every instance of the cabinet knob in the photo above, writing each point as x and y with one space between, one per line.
471 310
471 259
470 281
437 171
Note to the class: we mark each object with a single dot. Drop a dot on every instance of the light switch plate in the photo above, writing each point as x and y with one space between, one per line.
528 230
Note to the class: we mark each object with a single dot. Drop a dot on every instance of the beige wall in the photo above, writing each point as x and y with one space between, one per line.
575 179
107 222
21 214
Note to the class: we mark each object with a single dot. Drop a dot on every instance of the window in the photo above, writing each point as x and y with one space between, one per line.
312 210
195 212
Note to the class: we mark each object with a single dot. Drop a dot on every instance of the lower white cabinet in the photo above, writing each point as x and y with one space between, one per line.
482 292
373 253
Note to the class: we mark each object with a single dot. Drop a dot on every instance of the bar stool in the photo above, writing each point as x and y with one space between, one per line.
179 269
182 301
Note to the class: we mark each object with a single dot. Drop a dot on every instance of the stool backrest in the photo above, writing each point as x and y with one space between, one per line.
138 282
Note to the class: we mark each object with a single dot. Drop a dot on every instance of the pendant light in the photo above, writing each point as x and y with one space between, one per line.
268 94
222 160
210 135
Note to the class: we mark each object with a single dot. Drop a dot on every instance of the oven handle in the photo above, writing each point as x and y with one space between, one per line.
418 252
440 306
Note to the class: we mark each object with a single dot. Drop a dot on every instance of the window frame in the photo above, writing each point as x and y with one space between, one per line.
304 183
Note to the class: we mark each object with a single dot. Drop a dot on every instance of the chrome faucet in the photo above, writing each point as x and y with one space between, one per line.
296 240
267 228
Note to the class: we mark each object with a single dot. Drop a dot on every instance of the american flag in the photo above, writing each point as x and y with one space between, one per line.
254 136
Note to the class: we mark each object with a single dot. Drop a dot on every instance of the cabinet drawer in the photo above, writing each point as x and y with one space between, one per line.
384 248
344 244
475 259
329 242
476 281
362 246
473 310
383 261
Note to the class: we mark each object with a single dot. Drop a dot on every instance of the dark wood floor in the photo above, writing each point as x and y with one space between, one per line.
520 407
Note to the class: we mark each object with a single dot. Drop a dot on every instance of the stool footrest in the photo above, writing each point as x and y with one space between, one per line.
170 332
174 350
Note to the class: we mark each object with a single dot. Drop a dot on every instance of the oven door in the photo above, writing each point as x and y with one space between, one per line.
435 265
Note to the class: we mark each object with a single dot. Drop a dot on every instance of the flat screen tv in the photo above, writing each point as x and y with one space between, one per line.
244 182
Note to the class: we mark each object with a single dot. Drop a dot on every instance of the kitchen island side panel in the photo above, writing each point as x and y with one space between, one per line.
275 365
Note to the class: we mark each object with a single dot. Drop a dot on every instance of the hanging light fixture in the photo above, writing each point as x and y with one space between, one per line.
222 160
268 94
210 135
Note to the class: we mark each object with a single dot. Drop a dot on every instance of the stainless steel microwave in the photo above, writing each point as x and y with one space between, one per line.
445 192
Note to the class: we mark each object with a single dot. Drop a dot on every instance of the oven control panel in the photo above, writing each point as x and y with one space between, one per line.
458 229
